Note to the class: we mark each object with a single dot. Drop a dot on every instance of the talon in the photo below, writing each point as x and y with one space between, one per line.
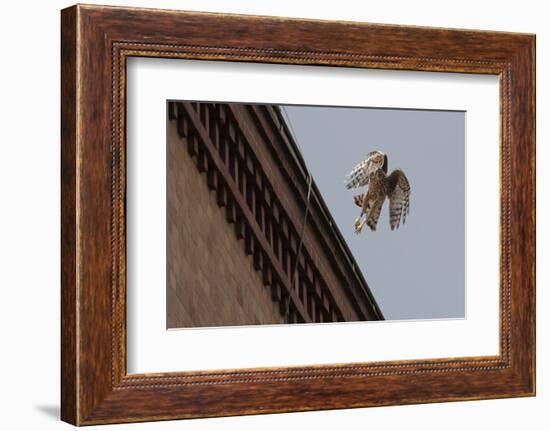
358 226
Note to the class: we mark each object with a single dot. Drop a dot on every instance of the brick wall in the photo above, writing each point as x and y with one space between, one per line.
281 182
202 250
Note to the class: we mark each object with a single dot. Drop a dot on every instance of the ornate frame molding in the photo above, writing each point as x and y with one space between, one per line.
96 41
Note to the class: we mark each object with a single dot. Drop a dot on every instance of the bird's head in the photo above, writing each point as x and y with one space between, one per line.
379 159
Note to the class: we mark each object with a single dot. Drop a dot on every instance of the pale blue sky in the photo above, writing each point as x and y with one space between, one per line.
417 271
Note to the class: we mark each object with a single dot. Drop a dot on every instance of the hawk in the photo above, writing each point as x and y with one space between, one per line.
373 172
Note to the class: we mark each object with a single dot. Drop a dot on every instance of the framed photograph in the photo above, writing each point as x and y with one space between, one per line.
265 215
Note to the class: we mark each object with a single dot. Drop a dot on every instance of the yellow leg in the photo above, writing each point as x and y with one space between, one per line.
358 225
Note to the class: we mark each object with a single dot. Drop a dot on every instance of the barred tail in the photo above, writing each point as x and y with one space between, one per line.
358 200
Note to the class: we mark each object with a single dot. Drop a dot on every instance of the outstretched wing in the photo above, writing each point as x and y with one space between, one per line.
359 176
399 192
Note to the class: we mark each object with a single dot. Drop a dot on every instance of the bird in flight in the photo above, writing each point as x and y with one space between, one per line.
373 173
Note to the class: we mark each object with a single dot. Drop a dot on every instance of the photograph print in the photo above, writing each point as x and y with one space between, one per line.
283 214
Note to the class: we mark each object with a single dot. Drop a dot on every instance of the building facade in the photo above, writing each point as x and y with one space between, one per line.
249 238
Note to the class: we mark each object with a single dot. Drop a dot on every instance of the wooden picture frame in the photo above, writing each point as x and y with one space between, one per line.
95 43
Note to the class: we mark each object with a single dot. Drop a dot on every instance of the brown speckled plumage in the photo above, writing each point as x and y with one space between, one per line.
372 172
